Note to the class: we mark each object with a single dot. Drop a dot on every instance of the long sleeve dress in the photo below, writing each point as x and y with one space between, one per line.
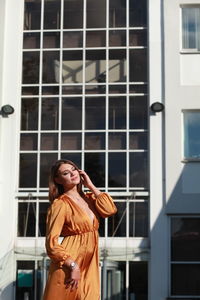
65 218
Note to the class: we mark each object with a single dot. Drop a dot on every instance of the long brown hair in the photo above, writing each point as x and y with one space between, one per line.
55 189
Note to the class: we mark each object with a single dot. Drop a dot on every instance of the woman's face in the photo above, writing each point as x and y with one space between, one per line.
68 176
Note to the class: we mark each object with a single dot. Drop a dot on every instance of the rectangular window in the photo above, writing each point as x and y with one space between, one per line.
191 27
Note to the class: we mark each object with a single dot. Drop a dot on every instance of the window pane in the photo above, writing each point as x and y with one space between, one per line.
185 279
117 89
72 89
138 140
42 218
117 38
25 280
117 65
95 167
191 134
117 112
96 89
94 141
117 13
51 67
29 114
190 27
138 113
117 169
117 140
138 13
51 40
31 40
75 157
46 161
51 14
71 141
30 72
138 169
50 90
28 141
73 14
32 14
71 113
138 280
49 141
95 120
138 219
30 90
96 38
28 165
117 222
185 241
72 39
72 68
49 114
96 13
26 219
95 66
137 37
138 65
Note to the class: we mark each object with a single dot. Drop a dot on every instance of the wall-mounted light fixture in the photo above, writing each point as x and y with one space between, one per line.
157 107
6 110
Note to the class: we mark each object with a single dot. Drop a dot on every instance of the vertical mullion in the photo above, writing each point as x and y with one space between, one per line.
107 97
83 85
127 97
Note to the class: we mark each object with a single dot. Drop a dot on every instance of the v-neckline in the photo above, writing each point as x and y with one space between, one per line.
83 211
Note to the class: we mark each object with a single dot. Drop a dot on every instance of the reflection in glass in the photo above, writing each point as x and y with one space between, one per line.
96 14
94 141
95 113
117 140
72 67
29 114
138 65
72 90
117 13
49 119
117 169
117 112
51 40
96 38
42 218
71 113
75 157
138 280
138 140
26 219
49 141
46 161
71 141
117 65
137 13
138 219
51 67
115 228
117 38
137 37
32 14
95 167
117 89
72 39
138 113
95 89
28 170
30 90
50 90
73 14
30 73
31 40
28 141
95 70
138 169
51 14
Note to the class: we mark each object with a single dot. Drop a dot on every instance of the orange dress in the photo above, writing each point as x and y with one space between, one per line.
80 242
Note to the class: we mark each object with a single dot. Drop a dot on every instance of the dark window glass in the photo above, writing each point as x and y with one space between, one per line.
94 141
72 68
46 161
137 38
30 72
102 227
51 67
30 90
50 90
117 140
185 279
185 239
29 114
73 14
137 13
138 140
71 113
117 222
31 40
96 89
95 113
117 89
138 113
51 14
25 280
75 157
138 88
117 169
51 40
72 90
28 170
117 38
96 38
49 119
71 141
49 141
138 219
26 219
72 39
138 169
95 167
96 13
42 218
138 65
117 65
117 112
32 14
117 13
95 70
138 280
28 141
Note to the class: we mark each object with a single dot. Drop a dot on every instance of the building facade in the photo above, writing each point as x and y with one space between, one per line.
82 76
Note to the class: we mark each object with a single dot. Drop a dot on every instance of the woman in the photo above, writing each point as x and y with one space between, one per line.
74 268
